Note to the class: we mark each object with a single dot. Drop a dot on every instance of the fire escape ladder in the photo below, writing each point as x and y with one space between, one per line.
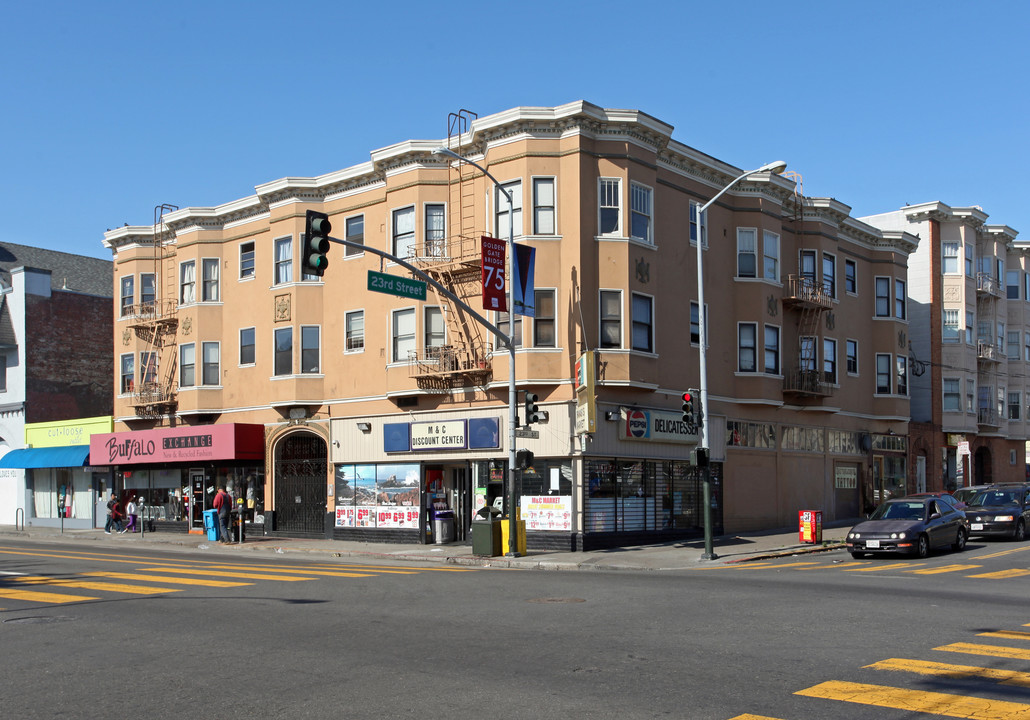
809 301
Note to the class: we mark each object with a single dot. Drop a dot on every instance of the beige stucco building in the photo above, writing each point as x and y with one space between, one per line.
357 413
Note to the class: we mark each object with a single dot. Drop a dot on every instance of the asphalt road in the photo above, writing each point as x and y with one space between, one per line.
287 637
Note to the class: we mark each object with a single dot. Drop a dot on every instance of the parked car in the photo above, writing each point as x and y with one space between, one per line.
946 496
1001 510
913 525
964 495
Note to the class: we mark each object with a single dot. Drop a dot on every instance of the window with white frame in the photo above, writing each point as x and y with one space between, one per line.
502 324
900 300
209 283
999 269
901 374
771 253
187 282
128 374
248 346
310 349
354 331
283 360
746 347
545 320
883 297
128 294
643 323
609 206
772 350
187 365
1015 402
883 374
403 331
435 334
694 207
211 355
1013 345
951 394
851 350
1012 284
951 329
747 252
501 209
830 275
543 206
247 262
949 258
970 322
807 356
148 368
403 232
305 273
830 361
970 395
806 267
436 230
147 290
1001 402
283 260
969 260
354 231
850 277
640 207
611 319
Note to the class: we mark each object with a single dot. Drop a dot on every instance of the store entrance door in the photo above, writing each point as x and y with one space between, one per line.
199 489
301 462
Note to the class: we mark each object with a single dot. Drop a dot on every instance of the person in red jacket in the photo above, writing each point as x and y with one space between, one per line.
222 503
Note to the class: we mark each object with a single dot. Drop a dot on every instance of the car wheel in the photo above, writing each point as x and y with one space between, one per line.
858 555
1020 534
923 546
960 541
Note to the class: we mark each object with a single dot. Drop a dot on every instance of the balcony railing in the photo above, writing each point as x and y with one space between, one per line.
802 289
988 417
806 382
986 283
988 351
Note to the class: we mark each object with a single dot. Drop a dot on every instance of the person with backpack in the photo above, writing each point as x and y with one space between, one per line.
114 515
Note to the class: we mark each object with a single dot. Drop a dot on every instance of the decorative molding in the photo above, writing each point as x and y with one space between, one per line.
282 307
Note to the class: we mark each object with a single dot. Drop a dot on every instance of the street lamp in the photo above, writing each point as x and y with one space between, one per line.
776 168
512 526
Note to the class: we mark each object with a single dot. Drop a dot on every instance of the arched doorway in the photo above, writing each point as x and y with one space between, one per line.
983 472
301 461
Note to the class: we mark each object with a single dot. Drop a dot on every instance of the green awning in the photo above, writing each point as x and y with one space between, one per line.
48 457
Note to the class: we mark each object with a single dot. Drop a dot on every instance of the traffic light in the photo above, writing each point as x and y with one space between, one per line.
688 406
700 414
316 243
532 410
523 459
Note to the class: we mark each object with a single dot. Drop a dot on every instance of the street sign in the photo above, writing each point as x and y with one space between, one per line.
396 285
533 434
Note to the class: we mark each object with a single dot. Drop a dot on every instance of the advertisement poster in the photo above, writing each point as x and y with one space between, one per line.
494 288
548 512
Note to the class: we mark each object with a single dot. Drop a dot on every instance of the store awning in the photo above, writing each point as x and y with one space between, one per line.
47 457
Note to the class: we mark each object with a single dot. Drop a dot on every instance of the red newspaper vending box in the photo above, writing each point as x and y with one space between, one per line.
810 526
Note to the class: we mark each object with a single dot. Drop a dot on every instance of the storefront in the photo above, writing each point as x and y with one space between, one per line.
176 471
62 489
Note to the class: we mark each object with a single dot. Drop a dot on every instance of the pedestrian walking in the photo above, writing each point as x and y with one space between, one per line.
131 511
114 516
223 503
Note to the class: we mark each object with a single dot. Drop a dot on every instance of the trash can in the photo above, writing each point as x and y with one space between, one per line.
486 532
443 526
520 535
211 524
810 526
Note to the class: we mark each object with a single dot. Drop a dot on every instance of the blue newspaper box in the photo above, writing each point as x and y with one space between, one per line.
211 524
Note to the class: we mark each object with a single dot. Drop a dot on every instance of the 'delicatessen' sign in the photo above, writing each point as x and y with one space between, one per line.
657 426
228 441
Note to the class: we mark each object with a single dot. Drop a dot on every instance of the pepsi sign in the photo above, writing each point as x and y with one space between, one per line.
658 426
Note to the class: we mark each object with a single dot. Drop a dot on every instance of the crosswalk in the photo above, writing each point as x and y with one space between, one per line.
938 703
143 576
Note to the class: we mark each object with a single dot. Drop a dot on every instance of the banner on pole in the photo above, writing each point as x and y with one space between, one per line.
524 292
494 297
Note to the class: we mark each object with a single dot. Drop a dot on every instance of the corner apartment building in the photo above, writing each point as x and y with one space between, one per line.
969 289
336 411
55 365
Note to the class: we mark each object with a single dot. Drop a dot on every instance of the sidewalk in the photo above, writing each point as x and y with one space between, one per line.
667 556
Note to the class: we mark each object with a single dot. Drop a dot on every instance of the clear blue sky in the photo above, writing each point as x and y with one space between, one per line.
111 108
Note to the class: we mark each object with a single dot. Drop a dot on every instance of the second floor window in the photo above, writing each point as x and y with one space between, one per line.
746 350
128 294
187 365
354 231
128 374
283 361
436 233
147 289
501 209
188 282
544 321
643 323
283 260
211 357
900 300
772 349
830 275
611 318
852 356
403 334
747 253
951 329
952 398
248 346
209 289
435 333
883 297
883 374
640 212
310 349
949 258
543 206
830 361
771 251
354 331
403 232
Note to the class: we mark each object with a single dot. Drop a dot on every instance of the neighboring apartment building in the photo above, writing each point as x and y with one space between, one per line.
54 309
970 289
334 411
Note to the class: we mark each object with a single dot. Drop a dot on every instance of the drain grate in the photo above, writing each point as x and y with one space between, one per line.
558 600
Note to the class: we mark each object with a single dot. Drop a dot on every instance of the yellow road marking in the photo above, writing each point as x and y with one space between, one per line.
839 565
990 650
749 716
943 569
223 573
32 596
167 580
888 566
1008 634
959 706
107 587
1002 574
1001 553
925 667
306 572
777 565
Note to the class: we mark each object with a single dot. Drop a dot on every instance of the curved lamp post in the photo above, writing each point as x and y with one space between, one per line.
512 398
776 168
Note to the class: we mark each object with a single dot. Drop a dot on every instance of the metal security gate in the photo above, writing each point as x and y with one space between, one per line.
301 462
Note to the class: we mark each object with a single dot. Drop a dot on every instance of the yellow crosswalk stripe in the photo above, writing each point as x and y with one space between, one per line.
989 650
86 585
225 573
958 706
42 597
327 573
943 569
1007 634
839 566
166 580
888 566
1002 553
1002 574
749 716
926 667
751 566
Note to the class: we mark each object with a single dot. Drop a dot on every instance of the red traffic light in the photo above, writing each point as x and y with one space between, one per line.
687 397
